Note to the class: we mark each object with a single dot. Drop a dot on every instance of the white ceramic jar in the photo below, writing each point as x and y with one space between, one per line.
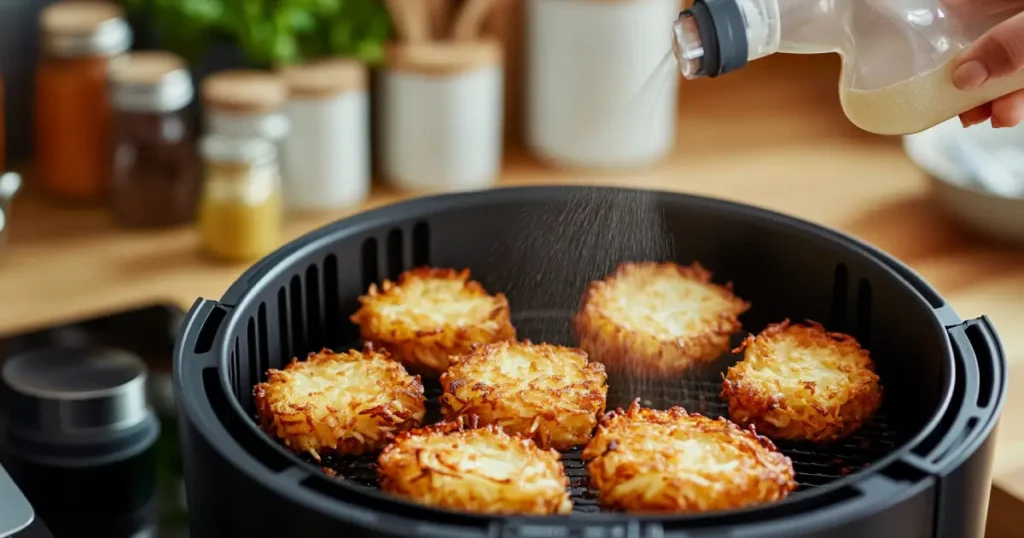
326 158
596 97
442 115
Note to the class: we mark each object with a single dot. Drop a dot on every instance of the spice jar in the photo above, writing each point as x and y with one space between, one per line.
245 103
240 210
156 172
326 157
10 184
72 108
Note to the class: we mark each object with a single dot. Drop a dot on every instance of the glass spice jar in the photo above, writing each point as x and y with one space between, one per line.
246 103
155 167
72 108
240 209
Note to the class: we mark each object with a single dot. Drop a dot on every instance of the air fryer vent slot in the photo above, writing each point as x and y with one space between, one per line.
863 330
371 268
314 312
420 244
840 293
396 259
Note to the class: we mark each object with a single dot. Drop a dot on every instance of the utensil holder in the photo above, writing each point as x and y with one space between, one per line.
602 86
442 115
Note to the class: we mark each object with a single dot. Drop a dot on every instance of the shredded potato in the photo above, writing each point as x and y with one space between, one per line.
339 403
657 319
800 382
551 394
650 461
430 314
463 466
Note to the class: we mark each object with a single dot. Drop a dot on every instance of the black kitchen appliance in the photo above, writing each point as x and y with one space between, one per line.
921 469
78 478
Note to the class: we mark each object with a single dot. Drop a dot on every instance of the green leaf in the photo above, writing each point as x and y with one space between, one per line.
271 32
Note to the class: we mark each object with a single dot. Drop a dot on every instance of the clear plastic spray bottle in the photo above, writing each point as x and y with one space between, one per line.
898 55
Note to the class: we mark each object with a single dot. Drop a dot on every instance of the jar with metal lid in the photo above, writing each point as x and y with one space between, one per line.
326 157
72 106
10 184
240 210
155 166
245 103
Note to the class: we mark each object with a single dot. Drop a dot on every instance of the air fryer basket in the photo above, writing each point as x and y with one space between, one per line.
920 469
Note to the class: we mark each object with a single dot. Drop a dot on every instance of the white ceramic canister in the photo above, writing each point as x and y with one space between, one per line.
602 90
327 152
442 115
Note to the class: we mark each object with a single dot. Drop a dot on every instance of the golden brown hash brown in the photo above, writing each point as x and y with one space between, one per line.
339 403
801 382
430 314
651 461
461 465
551 394
657 319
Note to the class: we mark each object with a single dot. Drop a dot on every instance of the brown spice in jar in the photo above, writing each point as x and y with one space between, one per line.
156 170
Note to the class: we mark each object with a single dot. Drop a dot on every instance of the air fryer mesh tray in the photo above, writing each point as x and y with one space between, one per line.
698 392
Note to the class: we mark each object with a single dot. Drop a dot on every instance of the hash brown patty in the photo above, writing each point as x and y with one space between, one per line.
551 394
429 314
339 403
651 461
801 382
463 466
657 319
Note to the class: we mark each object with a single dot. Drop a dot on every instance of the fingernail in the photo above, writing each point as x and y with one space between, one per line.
998 123
970 75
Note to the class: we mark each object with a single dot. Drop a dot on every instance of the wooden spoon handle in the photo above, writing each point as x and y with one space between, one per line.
467 24
440 11
399 18
418 17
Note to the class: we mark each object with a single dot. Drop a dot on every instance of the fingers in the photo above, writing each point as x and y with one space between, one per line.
977 115
998 53
1008 111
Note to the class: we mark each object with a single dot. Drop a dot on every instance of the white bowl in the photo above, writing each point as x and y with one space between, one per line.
999 217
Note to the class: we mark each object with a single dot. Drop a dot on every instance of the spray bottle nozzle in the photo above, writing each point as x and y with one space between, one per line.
710 38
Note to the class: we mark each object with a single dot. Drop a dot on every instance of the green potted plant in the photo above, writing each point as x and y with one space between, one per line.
266 33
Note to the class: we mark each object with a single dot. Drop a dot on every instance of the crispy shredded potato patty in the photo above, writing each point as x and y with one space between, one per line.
551 394
463 466
650 461
801 382
430 314
339 403
657 319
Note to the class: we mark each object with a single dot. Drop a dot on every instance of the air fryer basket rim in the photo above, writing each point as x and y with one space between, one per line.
237 297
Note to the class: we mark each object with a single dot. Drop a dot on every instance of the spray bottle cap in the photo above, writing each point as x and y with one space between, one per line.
723 35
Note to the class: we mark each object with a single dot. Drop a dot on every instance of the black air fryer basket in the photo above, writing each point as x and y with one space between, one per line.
921 468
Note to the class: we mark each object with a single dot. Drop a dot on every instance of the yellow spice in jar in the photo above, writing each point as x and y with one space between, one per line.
240 214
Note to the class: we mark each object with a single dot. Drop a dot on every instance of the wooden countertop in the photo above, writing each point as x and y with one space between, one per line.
772 135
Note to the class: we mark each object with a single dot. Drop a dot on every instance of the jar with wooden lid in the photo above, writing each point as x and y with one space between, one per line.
72 106
156 170
442 115
326 157
240 209
245 103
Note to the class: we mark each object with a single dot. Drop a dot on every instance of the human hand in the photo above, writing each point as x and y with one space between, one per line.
998 53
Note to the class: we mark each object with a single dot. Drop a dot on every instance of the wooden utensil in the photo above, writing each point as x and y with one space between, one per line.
440 12
399 18
470 18
418 20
